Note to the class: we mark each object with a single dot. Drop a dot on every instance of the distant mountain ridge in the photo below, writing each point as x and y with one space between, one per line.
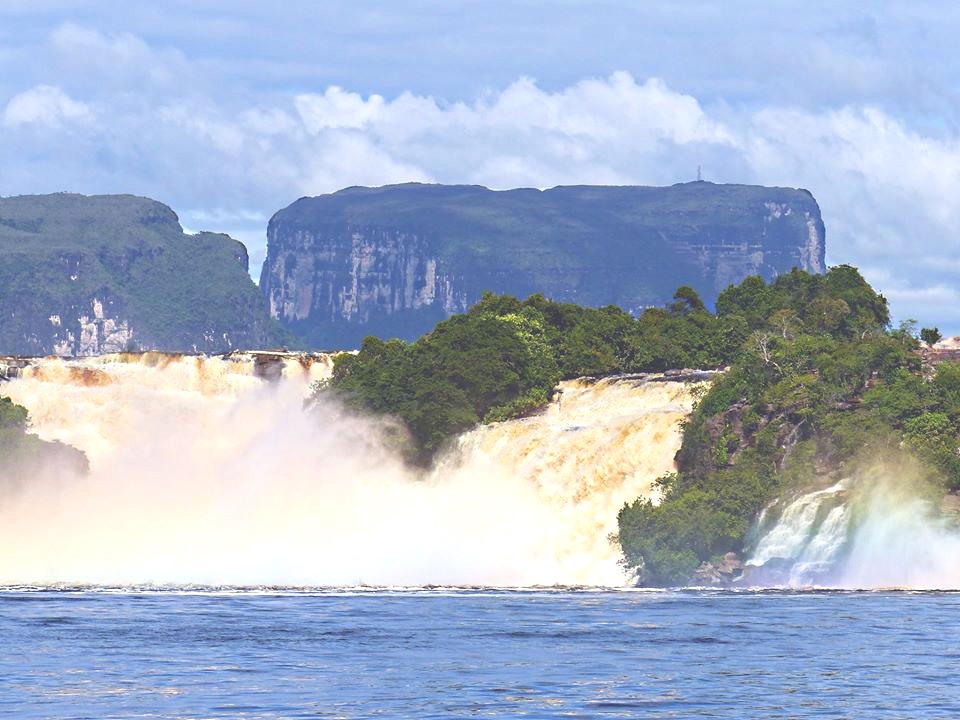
84 275
394 260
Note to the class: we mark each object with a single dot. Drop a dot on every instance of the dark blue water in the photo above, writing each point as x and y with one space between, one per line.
479 654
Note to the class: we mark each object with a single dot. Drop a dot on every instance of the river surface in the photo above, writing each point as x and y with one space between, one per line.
459 654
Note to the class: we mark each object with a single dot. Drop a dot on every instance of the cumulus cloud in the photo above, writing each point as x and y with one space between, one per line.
888 194
44 105
225 137
606 130
336 108
165 128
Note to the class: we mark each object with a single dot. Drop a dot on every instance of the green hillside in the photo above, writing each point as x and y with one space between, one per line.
84 275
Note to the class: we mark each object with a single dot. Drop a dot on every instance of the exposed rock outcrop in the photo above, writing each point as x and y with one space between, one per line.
86 275
722 573
393 261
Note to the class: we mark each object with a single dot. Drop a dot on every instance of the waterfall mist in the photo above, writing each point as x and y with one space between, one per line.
881 527
202 473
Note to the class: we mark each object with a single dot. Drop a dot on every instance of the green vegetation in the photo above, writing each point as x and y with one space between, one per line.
13 418
503 358
930 336
23 454
819 382
59 253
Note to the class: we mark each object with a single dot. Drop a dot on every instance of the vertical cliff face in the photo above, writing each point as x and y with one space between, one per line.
360 277
392 261
89 275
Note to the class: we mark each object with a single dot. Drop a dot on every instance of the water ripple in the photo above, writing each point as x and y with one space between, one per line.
351 653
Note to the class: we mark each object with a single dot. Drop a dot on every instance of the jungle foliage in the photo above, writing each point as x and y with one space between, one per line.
503 358
819 380
815 377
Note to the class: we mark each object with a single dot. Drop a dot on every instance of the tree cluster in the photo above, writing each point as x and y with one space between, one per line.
504 357
820 381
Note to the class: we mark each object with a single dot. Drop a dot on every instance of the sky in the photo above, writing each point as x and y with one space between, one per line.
229 111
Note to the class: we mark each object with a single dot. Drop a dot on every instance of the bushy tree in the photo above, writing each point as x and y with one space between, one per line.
930 336
12 416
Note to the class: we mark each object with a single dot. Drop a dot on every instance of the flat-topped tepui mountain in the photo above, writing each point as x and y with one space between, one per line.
392 261
83 275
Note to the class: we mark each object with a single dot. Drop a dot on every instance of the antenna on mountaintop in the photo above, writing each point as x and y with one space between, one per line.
699 176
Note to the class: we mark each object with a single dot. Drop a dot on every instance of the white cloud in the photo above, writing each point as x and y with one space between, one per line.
178 132
270 121
222 135
609 130
875 154
341 158
114 61
44 105
336 108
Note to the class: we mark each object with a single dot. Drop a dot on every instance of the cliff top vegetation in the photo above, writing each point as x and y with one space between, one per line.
60 251
629 246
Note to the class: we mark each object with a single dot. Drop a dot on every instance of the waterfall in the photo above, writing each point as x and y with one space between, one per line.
204 471
806 539
601 446
879 528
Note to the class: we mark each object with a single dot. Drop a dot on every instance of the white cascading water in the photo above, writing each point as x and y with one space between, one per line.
202 473
877 529
808 535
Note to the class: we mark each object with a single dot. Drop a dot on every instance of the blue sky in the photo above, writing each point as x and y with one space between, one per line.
228 111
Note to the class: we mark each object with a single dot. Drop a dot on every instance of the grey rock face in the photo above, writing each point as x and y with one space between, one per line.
392 261
355 277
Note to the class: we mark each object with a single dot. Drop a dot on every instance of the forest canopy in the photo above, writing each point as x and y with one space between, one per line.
504 357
